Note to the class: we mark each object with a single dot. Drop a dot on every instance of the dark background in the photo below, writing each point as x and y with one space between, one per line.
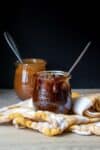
53 30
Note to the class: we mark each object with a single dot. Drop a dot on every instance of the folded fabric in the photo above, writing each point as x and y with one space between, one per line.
21 115
88 105
86 129
24 115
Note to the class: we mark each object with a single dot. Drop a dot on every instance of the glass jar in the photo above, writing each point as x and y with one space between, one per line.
52 92
24 76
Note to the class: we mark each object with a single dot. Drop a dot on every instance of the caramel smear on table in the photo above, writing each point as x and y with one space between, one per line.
75 95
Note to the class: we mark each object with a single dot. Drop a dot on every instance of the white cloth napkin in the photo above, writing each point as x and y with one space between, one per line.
24 115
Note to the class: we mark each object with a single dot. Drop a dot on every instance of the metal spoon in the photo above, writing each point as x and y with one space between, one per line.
79 57
12 45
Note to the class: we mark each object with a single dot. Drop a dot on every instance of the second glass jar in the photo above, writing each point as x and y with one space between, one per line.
24 80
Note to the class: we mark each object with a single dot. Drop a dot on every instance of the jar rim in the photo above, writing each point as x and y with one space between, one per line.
31 61
54 72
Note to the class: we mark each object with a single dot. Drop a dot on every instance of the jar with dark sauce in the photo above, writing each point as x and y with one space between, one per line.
52 92
24 76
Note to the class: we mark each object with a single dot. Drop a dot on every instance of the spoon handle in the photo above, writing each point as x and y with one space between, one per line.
79 57
12 45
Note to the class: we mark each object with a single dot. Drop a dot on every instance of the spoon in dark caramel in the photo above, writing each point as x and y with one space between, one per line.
79 58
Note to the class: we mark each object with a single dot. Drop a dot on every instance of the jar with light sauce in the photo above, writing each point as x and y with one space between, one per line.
24 76
52 92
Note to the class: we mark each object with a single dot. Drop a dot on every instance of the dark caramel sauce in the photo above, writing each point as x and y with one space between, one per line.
52 92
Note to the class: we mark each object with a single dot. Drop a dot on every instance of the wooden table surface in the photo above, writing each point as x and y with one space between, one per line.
25 139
